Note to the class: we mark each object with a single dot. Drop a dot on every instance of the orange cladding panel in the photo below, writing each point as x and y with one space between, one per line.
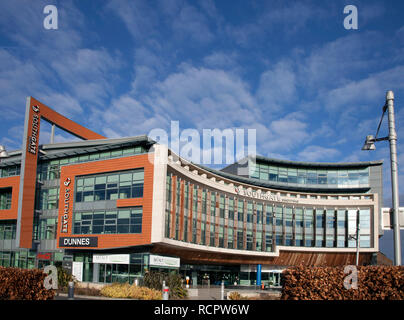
68 174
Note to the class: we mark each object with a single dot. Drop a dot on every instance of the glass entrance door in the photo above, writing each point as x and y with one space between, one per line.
105 273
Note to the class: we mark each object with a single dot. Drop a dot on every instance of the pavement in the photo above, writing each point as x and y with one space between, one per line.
203 293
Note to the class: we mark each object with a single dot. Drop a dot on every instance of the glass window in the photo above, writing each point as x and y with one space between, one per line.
332 177
301 176
322 177
330 219
311 177
5 198
231 208
292 175
273 173
128 220
308 218
283 175
319 218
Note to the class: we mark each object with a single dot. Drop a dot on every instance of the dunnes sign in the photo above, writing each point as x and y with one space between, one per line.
85 242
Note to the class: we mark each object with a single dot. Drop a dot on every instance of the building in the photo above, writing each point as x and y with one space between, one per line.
118 208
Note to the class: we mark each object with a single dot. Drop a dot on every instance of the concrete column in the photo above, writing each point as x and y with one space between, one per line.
96 271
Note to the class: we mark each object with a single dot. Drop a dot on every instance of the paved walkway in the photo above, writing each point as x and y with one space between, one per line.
202 293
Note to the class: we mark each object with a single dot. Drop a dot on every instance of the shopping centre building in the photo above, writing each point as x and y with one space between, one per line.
117 208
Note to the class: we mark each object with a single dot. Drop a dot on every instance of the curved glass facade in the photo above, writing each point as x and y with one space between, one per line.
201 215
332 178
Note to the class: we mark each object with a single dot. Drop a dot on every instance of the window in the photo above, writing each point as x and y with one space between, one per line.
230 238
308 218
330 219
128 220
311 177
319 218
322 177
352 228
111 186
231 208
269 216
259 213
240 240
249 212
268 242
288 239
258 241
221 207
283 175
249 240
301 176
5 198
10 171
292 175
273 173
8 229
240 211
46 229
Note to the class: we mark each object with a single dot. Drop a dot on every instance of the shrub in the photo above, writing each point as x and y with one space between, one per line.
23 284
327 283
234 296
125 290
154 280
63 278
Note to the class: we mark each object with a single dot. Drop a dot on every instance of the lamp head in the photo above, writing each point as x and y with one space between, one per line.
369 143
3 152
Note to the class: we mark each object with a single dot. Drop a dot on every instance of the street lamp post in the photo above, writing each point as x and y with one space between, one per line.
392 138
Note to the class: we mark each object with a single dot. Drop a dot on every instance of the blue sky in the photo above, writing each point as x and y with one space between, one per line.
289 69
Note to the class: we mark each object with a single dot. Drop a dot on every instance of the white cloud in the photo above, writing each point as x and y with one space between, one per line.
277 87
317 153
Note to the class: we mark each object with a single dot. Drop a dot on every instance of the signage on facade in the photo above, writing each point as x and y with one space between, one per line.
85 242
77 270
66 207
44 256
162 261
262 195
68 266
33 138
111 258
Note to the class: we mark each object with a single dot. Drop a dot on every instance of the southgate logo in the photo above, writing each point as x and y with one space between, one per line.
33 138
66 207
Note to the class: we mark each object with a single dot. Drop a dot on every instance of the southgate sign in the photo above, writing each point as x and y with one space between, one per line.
262 195
33 138
66 207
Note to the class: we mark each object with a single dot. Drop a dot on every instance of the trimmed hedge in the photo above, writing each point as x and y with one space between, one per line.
327 283
23 284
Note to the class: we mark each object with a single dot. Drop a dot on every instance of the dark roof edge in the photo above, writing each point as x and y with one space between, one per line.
318 164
